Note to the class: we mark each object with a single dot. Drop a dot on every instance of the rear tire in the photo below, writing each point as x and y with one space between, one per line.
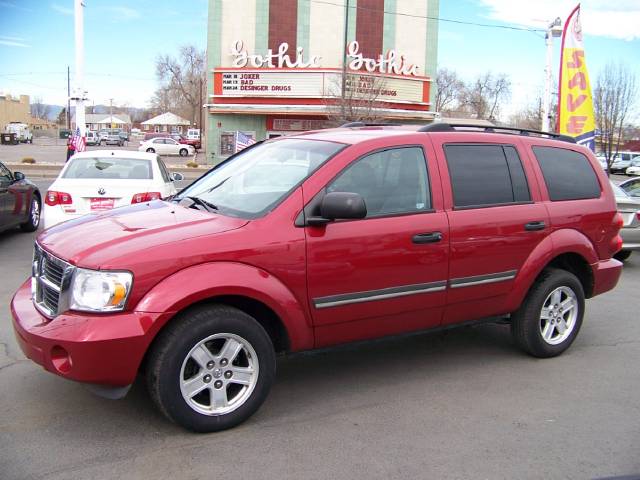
150 150
548 321
184 152
211 369
35 211
622 255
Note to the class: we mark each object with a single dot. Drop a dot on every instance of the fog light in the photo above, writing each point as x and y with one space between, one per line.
61 359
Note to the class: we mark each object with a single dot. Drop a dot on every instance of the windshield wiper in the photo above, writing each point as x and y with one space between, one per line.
209 207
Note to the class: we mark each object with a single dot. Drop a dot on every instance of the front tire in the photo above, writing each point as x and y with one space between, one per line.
31 225
549 320
184 152
211 369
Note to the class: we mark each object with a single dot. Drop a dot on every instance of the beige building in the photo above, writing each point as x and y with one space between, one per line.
14 109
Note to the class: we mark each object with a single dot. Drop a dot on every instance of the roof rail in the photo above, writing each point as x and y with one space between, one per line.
367 124
445 127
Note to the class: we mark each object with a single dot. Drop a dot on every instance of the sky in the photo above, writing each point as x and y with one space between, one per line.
123 39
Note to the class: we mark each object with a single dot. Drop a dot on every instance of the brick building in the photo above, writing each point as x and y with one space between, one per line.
276 66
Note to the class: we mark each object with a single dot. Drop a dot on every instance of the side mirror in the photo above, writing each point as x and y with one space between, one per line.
18 176
340 205
176 177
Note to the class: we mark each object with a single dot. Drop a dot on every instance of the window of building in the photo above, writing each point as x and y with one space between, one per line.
567 174
390 181
484 175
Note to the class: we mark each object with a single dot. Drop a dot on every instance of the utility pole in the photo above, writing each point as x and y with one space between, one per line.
79 95
200 111
111 112
553 30
68 97
344 51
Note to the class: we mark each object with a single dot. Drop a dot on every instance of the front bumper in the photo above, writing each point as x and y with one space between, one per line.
606 274
103 349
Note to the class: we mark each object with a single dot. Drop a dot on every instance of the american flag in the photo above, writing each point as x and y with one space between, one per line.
243 141
78 142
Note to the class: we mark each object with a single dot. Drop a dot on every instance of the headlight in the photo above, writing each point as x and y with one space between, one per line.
99 291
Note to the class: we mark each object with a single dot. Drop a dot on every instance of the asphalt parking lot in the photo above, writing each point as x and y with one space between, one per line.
454 405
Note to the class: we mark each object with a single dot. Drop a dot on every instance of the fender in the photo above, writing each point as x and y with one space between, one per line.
207 280
555 244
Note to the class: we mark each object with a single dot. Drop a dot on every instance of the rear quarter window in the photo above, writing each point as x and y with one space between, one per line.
567 174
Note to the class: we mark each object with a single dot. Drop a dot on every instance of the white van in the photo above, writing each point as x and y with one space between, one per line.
92 138
193 134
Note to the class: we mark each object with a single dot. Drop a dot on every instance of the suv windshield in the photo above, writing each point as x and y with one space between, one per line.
253 182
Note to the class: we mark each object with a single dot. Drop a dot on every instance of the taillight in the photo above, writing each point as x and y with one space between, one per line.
618 220
54 198
145 197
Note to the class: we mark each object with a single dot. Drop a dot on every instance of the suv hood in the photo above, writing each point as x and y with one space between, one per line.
96 239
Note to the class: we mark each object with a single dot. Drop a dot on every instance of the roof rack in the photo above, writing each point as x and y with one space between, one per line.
446 127
367 124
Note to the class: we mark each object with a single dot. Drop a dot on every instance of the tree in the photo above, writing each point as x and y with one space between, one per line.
62 117
40 110
360 102
483 96
613 99
448 90
181 82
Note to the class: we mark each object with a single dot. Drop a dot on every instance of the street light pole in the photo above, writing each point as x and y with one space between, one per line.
344 51
80 94
553 30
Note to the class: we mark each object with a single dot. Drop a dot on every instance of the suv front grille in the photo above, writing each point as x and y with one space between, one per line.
50 280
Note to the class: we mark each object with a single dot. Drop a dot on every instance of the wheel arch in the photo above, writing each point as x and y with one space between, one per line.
566 249
250 289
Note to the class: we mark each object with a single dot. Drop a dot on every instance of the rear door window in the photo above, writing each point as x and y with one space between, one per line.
486 175
567 174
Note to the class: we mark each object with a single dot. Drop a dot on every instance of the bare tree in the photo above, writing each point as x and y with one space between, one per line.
613 98
40 110
483 96
361 100
62 117
181 80
448 90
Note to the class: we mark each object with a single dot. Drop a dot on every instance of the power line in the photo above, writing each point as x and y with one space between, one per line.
427 17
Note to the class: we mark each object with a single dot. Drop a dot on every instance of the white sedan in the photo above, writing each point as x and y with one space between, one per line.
166 146
634 167
98 180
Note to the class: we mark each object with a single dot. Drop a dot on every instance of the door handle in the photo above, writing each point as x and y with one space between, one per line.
533 226
431 237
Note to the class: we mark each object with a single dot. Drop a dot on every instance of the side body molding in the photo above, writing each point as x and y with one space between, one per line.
557 243
207 280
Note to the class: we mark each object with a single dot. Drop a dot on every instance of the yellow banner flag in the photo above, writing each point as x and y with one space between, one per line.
576 117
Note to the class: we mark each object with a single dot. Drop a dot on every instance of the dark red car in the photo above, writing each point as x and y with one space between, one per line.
314 240
20 201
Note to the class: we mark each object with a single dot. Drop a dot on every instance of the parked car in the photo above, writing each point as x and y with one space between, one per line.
92 138
100 180
166 146
386 230
124 135
631 187
629 208
634 167
113 138
20 201
622 161
102 135
194 142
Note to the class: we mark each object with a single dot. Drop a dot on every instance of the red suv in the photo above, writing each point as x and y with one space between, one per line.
319 239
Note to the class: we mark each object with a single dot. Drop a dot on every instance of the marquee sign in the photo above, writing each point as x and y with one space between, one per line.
391 62
234 83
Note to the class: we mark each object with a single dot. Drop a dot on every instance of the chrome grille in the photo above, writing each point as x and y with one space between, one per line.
50 279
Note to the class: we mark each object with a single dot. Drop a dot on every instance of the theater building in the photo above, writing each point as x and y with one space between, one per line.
275 67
